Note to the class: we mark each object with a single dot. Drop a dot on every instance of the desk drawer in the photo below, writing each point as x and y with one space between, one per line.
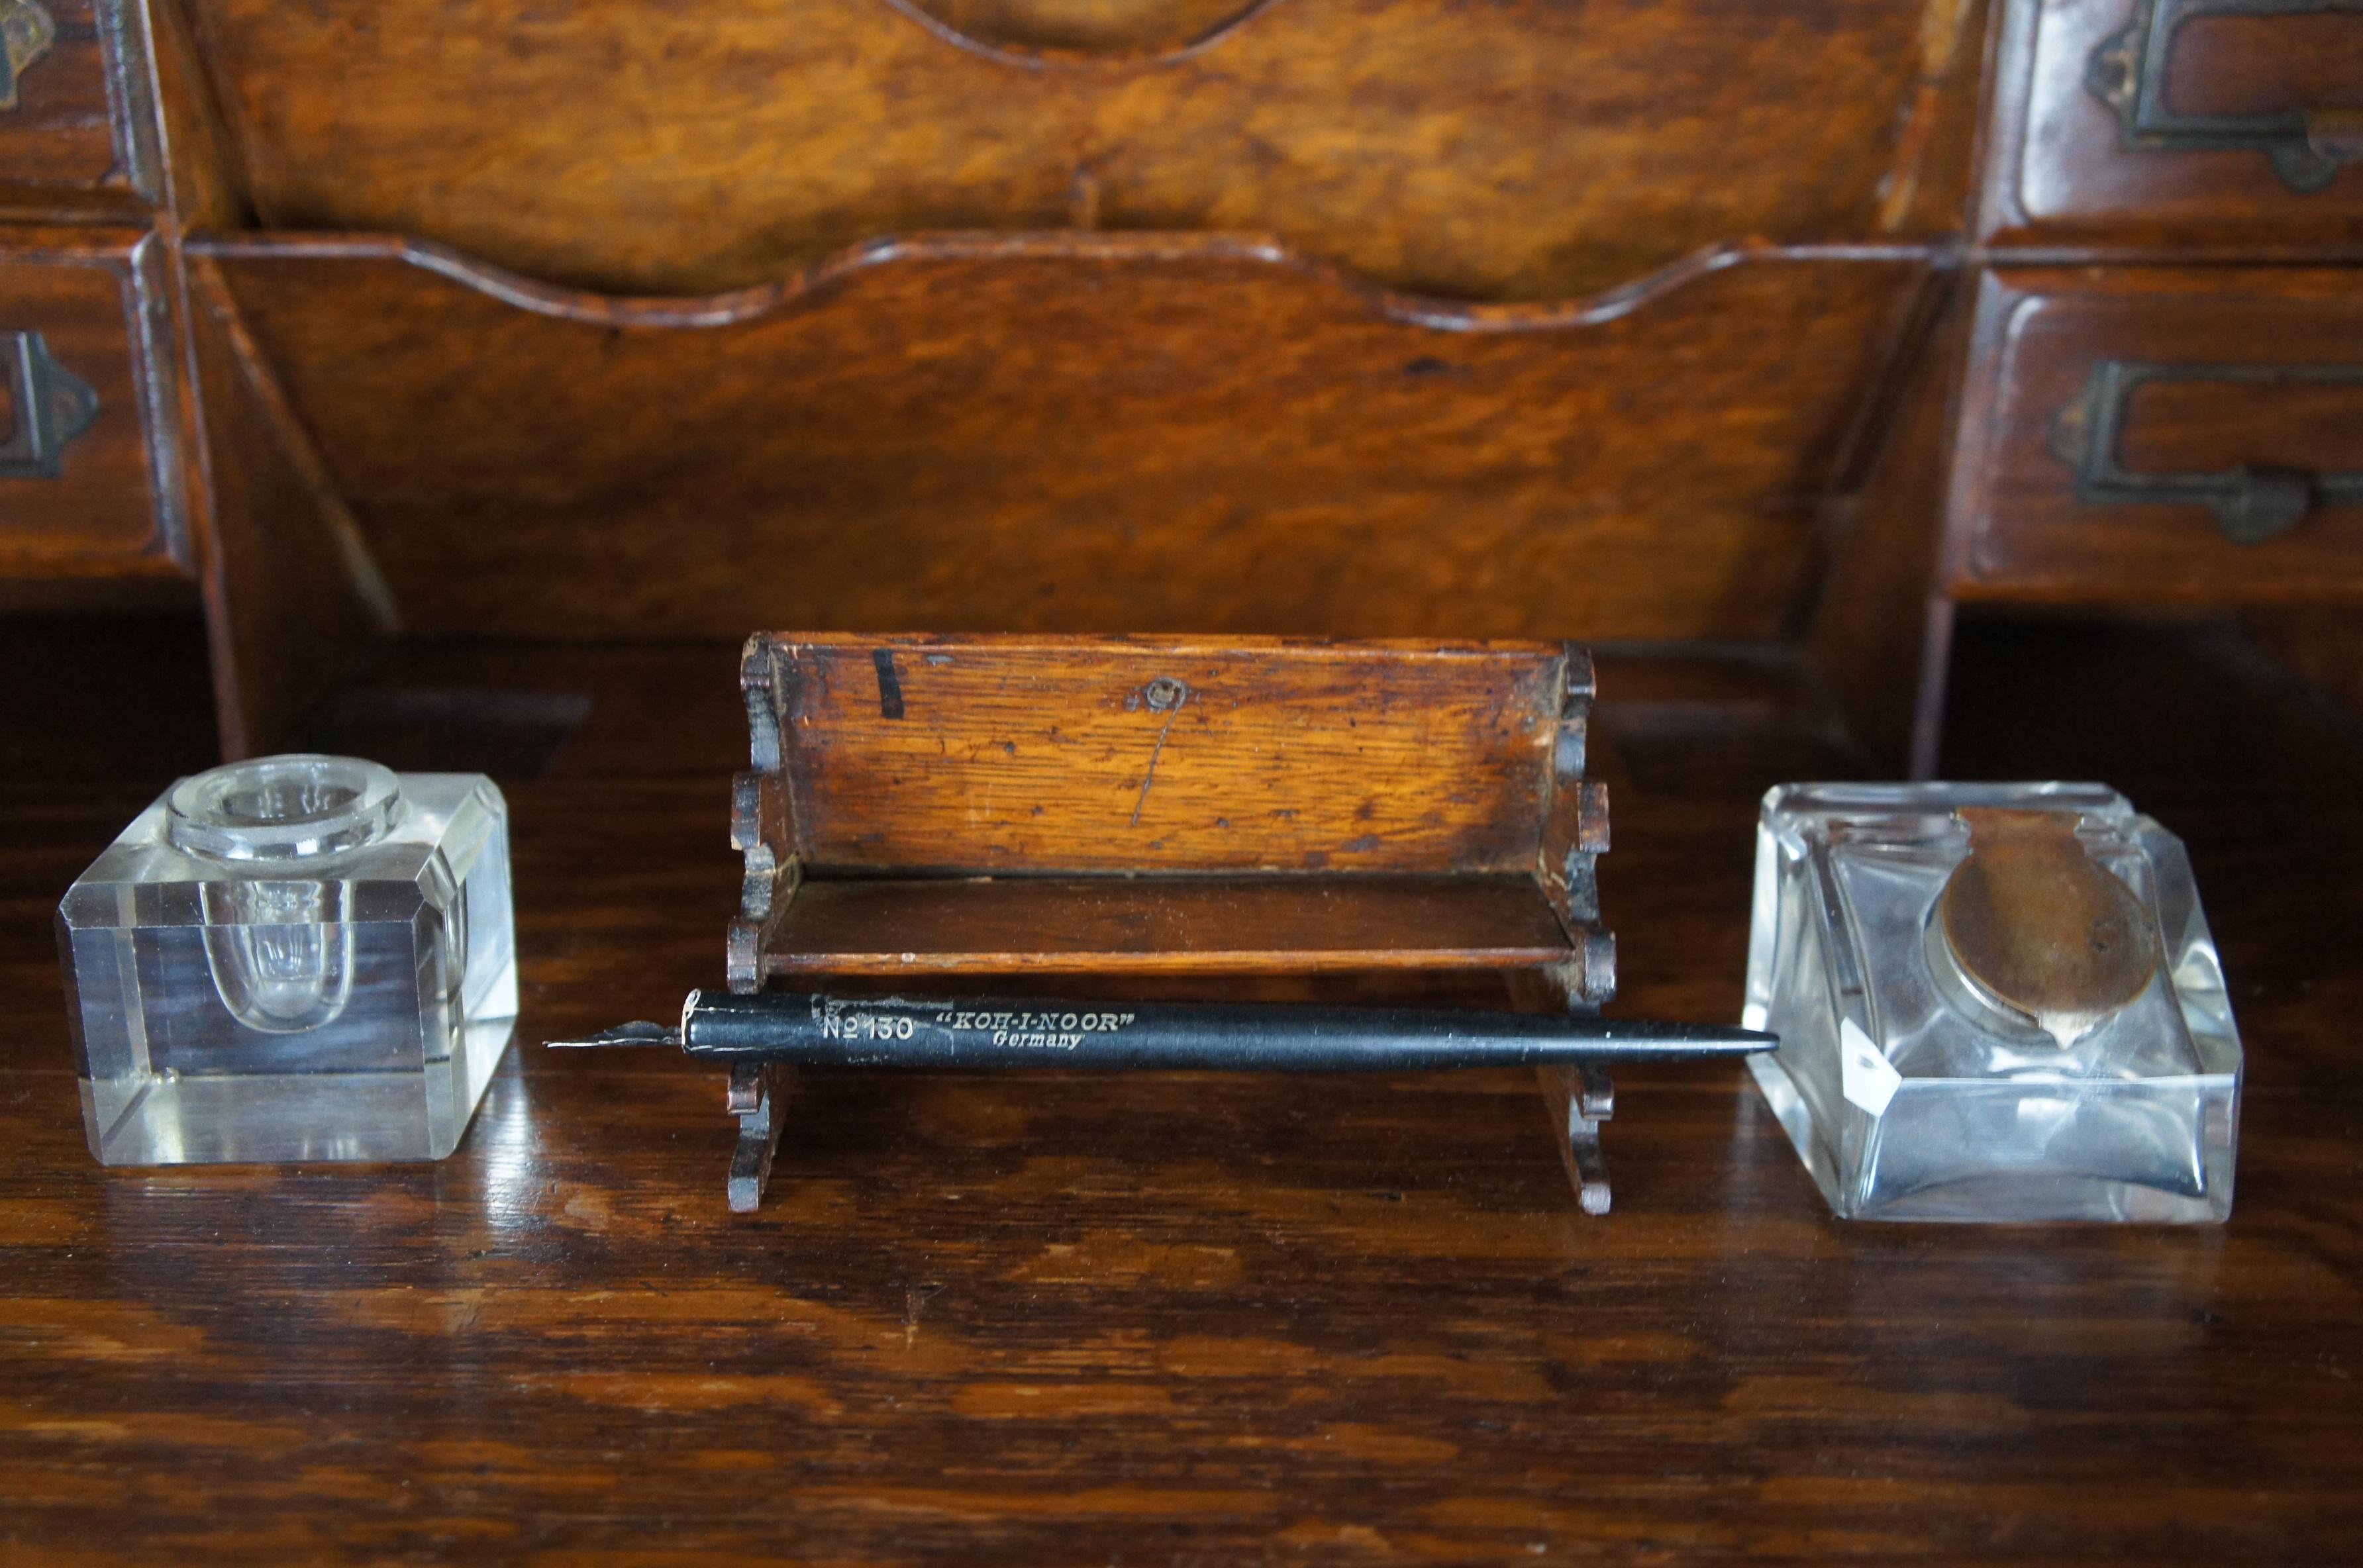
2163 434
75 106
2235 122
88 485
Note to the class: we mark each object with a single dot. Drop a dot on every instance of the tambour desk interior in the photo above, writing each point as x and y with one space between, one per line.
1797 326
479 376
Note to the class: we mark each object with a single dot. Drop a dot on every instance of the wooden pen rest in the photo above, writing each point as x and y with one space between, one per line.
955 811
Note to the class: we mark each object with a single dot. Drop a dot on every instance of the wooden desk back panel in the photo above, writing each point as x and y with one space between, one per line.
1523 149
1121 754
1067 433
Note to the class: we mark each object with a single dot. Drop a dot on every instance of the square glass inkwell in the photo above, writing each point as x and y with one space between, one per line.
294 958
1995 1002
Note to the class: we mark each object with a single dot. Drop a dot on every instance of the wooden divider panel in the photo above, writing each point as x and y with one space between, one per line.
1071 433
1514 149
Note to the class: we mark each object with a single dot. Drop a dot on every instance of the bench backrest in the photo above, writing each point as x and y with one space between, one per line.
995 754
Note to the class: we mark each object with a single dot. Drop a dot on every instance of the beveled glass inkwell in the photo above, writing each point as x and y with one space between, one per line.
299 958
1996 1002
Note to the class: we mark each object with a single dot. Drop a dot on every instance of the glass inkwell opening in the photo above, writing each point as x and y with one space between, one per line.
280 949
283 808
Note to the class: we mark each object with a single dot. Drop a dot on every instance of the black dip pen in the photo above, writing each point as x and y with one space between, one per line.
811 1030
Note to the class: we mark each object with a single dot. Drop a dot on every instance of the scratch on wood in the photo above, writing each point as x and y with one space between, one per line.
1164 694
913 1299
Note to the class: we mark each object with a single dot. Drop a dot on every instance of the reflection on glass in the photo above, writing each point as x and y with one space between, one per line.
281 953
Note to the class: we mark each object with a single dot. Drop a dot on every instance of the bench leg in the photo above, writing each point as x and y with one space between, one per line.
1579 1098
758 1095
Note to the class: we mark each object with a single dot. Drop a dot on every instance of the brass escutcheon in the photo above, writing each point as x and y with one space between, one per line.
27 33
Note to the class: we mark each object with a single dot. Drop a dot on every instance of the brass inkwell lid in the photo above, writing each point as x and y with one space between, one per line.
2039 929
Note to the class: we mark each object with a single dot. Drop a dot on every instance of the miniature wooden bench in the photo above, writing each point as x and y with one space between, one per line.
942 808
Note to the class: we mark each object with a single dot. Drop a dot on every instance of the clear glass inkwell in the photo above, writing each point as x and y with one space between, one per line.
294 958
1995 1001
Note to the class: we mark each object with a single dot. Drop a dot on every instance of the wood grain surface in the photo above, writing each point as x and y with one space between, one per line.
1200 924
284 617
1179 1319
1522 149
1046 754
895 441
1881 624
1103 29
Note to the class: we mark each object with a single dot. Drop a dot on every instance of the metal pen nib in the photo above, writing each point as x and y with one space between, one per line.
639 1031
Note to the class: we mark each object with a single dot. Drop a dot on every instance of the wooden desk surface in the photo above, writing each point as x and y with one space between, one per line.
1185 1319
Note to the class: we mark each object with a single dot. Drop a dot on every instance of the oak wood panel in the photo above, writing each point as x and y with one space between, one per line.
1198 924
113 507
2018 527
2058 169
1882 628
283 618
1525 149
200 174
1103 28
1073 434
1928 187
1116 754
1195 1318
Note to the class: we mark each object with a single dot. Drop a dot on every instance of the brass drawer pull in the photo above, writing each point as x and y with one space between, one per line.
2127 72
2251 503
27 31
53 405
